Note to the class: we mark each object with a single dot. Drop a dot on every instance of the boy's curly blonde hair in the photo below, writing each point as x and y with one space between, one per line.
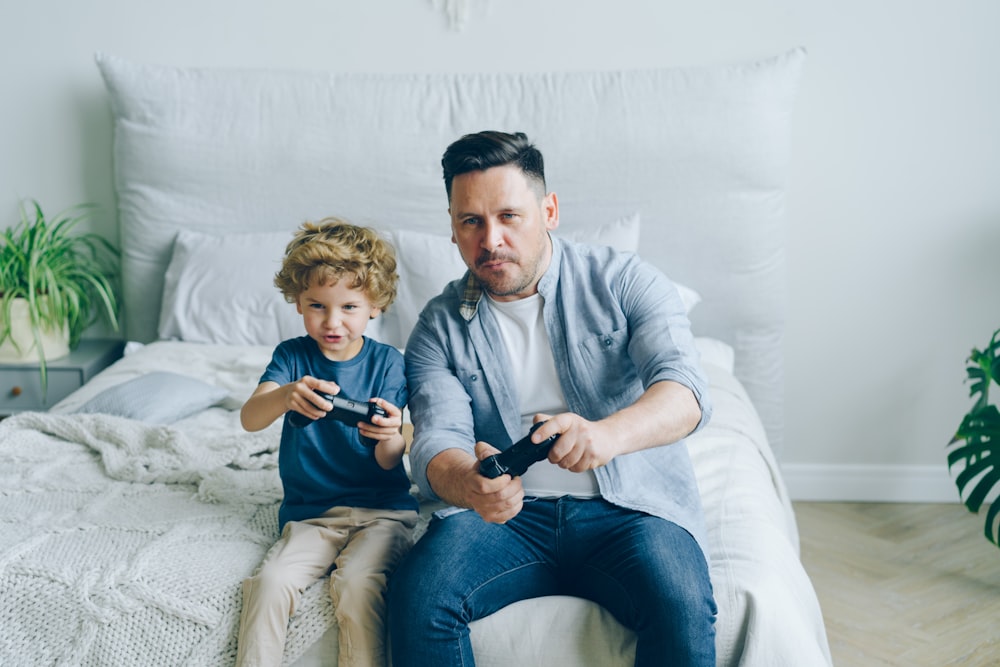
332 249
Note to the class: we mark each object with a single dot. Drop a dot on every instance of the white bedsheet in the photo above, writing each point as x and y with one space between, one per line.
125 544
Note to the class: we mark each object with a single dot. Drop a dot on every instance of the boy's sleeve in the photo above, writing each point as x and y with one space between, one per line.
279 368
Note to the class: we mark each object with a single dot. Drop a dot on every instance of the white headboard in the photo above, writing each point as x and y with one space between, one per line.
701 153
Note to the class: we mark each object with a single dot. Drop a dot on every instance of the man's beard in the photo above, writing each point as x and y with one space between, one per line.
501 285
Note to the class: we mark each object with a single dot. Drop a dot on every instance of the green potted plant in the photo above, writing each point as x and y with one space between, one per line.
53 283
975 445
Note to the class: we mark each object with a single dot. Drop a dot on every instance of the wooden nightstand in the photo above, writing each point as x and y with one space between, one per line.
21 384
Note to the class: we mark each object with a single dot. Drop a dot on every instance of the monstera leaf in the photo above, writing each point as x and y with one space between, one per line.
975 449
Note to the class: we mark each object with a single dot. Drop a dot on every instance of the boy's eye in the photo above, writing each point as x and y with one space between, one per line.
350 306
316 306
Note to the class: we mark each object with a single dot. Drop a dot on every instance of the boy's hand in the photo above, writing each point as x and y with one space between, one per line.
302 396
386 427
387 432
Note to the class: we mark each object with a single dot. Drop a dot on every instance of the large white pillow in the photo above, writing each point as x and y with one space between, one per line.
703 152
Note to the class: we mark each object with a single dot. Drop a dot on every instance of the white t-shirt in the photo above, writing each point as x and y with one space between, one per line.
522 330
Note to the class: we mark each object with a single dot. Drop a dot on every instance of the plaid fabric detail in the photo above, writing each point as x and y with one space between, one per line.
470 298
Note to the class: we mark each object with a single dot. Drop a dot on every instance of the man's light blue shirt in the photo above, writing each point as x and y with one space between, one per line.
617 325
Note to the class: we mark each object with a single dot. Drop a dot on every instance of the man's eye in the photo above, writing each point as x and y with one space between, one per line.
471 221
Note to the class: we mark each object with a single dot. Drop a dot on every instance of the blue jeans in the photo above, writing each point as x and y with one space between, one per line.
648 572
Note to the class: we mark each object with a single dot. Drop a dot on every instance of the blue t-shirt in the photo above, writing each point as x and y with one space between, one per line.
324 464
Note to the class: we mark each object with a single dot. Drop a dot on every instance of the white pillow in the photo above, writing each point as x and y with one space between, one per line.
716 352
623 235
428 262
159 397
220 289
425 263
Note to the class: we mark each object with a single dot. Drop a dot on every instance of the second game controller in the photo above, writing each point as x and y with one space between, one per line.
344 410
516 459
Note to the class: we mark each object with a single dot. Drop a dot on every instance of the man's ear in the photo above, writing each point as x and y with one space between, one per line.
550 209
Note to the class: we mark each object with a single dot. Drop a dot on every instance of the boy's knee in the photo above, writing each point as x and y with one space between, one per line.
351 587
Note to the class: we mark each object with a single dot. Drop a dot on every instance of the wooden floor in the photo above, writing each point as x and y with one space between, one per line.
903 584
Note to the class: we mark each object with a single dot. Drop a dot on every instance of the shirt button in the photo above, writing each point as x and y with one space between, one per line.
607 341
475 377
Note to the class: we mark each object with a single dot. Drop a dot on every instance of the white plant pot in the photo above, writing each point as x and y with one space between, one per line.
55 344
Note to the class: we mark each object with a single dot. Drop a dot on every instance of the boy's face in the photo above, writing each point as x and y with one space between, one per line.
335 316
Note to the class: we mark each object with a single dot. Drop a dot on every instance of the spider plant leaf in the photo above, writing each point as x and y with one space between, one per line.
65 276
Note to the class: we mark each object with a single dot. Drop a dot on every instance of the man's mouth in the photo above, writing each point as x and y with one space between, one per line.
494 261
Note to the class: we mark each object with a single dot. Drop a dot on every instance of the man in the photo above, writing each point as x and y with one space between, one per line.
596 344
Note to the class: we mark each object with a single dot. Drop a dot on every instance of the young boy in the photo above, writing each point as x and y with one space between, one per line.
346 495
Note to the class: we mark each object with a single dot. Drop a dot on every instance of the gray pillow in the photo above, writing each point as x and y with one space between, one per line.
159 397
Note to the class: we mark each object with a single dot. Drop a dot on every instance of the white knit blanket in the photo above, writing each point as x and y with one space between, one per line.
125 544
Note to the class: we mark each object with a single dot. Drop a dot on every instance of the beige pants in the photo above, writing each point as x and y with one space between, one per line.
363 545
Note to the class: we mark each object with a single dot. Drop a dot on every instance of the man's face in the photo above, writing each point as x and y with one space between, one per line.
501 226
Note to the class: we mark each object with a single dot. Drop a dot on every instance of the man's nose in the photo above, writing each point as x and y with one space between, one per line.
492 235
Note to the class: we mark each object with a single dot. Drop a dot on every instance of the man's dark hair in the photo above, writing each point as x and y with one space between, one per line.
490 148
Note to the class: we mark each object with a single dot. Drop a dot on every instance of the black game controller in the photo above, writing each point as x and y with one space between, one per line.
344 410
516 459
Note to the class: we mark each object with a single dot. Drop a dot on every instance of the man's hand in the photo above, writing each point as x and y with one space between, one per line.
582 445
454 476
665 413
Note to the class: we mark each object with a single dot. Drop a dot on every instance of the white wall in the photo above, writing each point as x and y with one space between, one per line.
894 210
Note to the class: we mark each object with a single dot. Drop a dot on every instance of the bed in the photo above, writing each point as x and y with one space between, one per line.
133 509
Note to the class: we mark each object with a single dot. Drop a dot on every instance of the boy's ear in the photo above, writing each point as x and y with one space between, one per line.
376 311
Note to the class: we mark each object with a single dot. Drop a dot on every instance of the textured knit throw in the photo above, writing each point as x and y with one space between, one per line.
123 543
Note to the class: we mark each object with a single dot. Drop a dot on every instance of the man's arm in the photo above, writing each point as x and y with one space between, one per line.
665 413
454 476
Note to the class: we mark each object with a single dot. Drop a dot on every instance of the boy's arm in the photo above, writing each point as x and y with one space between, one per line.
389 452
271 400
266 404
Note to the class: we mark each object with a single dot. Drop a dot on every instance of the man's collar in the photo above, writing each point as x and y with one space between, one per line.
474 289
470 297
